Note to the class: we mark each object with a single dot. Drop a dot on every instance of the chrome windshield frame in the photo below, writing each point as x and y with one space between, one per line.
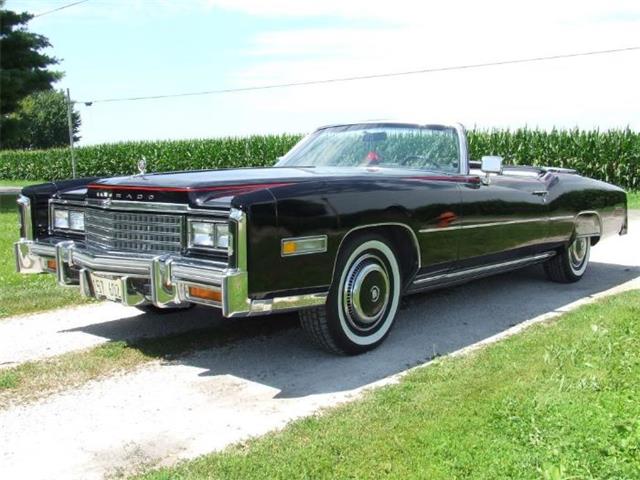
463 147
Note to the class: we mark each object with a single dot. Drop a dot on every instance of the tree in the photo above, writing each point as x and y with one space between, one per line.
41 122
23 66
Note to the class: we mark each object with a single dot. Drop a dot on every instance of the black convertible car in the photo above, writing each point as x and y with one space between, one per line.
348 221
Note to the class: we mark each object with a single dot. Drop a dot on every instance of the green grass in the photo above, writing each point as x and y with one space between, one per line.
33 380
38 379
559 401
633 200
26 293
19 183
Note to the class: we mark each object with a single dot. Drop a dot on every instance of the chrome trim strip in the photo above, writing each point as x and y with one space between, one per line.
322 238
86 288
26 260
235 286
184 293
45 250
68 204
72 203
495 224
26 219
131 297
114 264
485 268
139 232
193 274
373 225
163 292
462 147
283 304
558 170
588 213
64 261
191 246
152 206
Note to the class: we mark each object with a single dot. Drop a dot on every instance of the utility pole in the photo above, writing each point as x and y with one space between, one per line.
70 122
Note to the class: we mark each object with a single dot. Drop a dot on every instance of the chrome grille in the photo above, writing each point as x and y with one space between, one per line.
133 231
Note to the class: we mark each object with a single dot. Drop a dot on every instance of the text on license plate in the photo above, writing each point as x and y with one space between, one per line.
107 288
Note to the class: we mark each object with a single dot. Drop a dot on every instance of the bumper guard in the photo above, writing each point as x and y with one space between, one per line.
163 281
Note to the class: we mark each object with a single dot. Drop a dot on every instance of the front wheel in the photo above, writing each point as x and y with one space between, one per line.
569 265
363 299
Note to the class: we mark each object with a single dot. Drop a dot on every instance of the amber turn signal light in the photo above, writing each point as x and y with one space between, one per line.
205 293
303 245
51 264
289 248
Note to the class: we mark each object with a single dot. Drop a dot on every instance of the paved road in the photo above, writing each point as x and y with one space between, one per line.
204 401
36 336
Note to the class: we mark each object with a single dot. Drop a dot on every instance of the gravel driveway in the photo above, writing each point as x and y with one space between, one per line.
202 402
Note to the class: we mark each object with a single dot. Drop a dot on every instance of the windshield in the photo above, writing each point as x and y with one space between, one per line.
408 146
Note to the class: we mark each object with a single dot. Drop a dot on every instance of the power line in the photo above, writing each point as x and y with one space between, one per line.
365 77
60 8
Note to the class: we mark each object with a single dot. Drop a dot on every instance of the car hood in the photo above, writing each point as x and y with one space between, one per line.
216 188
202 179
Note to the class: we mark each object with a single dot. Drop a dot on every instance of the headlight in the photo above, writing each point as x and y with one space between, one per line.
208 235
65 219
203 234
76 220
61 219
222 236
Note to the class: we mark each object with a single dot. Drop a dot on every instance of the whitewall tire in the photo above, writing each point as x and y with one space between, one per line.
570 264
363 300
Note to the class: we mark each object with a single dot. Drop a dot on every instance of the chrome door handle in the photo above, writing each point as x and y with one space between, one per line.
542 193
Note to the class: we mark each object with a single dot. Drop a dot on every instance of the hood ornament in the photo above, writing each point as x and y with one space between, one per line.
142 165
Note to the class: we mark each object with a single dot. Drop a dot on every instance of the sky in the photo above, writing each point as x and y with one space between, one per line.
117 48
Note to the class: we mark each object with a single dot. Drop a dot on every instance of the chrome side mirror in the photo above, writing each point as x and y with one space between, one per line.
490 164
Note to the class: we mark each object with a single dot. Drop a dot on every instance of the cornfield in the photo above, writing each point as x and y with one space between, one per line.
612 156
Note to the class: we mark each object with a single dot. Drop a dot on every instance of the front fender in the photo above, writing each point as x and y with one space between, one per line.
333 209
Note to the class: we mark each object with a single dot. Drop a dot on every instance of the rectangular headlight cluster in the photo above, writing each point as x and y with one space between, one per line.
68 219
204 234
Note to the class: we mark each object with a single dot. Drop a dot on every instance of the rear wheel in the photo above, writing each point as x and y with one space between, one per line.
571 263
363 299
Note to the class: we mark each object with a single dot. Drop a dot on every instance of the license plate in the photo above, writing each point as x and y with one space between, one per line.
107 288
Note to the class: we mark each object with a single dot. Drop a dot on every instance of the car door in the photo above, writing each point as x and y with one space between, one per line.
436 204
503 217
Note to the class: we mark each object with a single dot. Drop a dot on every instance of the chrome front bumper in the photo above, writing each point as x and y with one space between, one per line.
162 281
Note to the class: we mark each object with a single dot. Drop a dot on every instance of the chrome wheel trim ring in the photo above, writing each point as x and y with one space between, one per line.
365 295
579 255
385 323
